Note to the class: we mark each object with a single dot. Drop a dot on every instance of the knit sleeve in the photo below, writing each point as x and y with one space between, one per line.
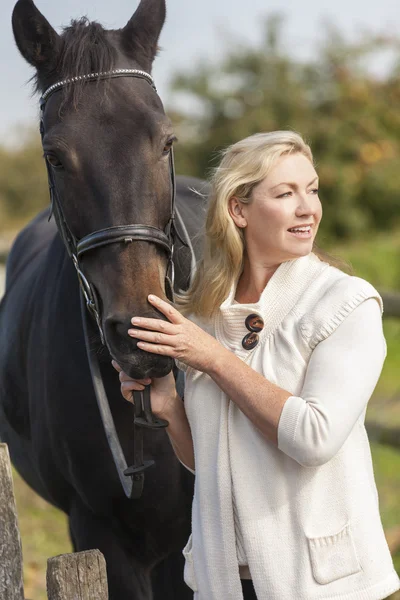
342 373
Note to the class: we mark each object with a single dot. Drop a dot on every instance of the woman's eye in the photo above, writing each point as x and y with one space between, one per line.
284 195
315 191
53 160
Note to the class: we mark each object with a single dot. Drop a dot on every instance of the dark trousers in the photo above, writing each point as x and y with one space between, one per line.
248 590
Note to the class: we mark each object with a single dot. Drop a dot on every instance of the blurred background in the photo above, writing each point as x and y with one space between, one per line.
227 69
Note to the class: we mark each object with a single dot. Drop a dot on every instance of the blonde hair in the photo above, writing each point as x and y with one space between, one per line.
243 166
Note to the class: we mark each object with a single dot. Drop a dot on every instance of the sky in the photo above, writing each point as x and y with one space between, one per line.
195 30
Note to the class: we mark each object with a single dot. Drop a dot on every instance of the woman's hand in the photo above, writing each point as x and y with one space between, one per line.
163 392
178 338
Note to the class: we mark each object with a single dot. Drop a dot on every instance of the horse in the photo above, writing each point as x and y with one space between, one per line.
107 144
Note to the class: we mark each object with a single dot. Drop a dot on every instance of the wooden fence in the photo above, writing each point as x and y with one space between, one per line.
78 576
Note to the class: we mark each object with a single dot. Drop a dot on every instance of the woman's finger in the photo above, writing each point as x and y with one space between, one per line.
155 337
128 395
131 386
157 349
154 325
169 311
116 366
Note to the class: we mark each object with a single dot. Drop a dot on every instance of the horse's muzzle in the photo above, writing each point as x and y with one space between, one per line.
136 363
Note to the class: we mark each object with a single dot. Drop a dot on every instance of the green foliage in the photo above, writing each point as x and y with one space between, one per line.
23 182
348 115
377 259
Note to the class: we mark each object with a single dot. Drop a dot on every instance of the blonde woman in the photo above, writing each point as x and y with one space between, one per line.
282 352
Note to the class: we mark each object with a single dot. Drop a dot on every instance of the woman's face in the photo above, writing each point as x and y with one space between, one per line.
286 200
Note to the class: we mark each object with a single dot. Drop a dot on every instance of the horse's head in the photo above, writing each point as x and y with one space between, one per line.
107 144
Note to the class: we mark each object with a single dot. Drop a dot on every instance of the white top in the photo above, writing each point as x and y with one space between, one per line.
342 373
304 516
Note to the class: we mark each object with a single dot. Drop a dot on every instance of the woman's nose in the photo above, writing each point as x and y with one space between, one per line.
306 206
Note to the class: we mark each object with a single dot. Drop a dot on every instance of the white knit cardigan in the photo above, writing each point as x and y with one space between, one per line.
309 529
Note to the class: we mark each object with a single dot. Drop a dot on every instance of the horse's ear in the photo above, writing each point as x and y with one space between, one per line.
36 39
140 35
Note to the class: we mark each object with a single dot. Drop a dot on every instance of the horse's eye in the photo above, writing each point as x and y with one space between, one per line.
168 146
53 160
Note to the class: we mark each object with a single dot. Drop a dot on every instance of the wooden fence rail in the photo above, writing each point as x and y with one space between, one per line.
78 576
391 304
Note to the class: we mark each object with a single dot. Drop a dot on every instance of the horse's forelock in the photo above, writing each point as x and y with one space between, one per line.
85 48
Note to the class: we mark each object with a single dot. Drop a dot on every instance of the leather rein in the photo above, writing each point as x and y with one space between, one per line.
132 478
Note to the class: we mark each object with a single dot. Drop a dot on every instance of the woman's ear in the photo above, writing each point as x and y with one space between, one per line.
236 212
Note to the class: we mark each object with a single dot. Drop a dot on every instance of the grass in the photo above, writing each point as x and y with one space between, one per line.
44 529
387 477
44 533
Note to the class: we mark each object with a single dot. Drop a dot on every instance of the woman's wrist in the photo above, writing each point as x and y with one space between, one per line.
219 362
173 409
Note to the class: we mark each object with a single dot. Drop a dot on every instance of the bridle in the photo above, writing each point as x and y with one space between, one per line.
120 234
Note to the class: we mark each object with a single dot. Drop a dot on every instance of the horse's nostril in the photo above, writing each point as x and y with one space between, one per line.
121 328
116 331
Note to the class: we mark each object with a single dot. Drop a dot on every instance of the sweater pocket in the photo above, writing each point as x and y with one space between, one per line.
188 573
333 556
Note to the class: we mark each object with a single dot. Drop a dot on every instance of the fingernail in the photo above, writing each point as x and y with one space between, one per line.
152 298
131 331
135 320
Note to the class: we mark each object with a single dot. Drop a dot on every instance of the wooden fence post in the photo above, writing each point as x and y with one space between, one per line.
78 576
11 572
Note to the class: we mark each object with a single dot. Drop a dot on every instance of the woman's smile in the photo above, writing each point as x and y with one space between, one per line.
304 232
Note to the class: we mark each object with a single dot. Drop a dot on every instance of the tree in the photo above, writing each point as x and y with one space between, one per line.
23 182
335 101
